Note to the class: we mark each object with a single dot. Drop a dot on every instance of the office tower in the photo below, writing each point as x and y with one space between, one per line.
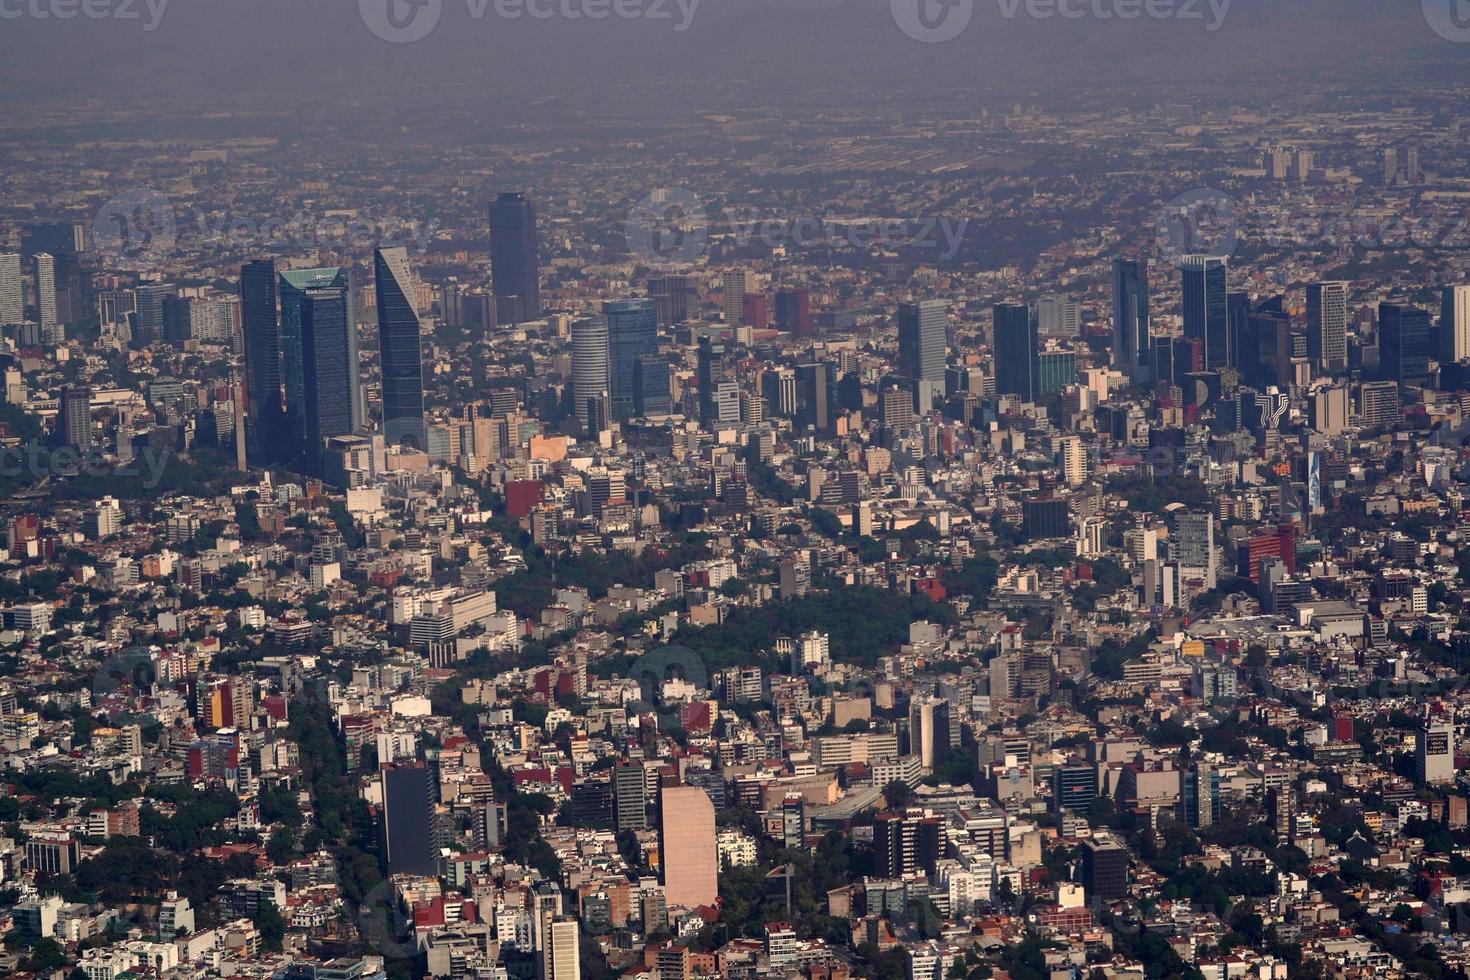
1403 344
515 265
1131 340
329 371
149 328
1073 787
1206 309
408 812
1327 318
632 333
1379 404
1104 869
45 283
560 937
904 843
12 298
1194 541
1454 324
1072 460
1016 366
74 424
896 405
675 295
491 825
687 847
1055 369
589 363
719 396
755 312
630 797
794 311
1058 316
1045 517
1411 165
813 397
734 284
778 387
929 729
400 349
178 320
260 325
1199 801
923 344
652 394
1390 165
290 291
1434 752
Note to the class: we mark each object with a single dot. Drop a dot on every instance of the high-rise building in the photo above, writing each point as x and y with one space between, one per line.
290 291
1434 752
719 395
74 424
734 284
630 797
1017 370
1403 344
1073 787
1194 543
1059 316
148 321
261 328
794 311
1206 309
1104 869
675 295
1327 317
560 956
12 297
400 349
1390 165
904 843
1072 460
590 380
923 344
329 362
1199 801
515 265
687 851
652 394
408 812
45 283
1379 404
929 730
1131 339
813 396
1454 324
632 333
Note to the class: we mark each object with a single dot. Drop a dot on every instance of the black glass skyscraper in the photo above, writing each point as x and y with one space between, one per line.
329 362
1131 343
1017 368
1403 343
632 332
400 349
260 325
1206 308
515 268
291 288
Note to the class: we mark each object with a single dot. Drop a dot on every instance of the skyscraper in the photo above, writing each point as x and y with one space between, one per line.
630 797
794 311
719 395
291 287
814 397
1327 326
12 299
408 811
1454 324
687 847
1131 344
904 843
560 938
515 266
400 348
330 371
74 424
149 319
260 325
1104 869
734 284
1403 344
652 393
589 363
46 294
1017 369
1206 317
632 333
1434 751
923 343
